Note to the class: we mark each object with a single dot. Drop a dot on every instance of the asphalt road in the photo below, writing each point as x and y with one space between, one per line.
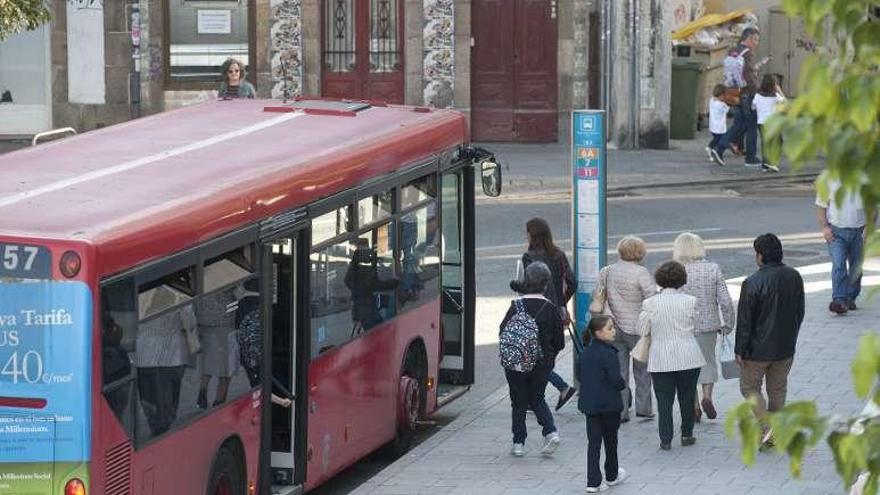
727 219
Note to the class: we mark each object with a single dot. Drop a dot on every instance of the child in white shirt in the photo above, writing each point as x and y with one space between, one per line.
765 103
717 118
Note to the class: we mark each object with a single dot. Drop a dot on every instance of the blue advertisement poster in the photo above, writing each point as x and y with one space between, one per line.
45 376
589 179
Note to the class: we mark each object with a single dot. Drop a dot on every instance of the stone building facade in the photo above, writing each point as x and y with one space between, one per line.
112 60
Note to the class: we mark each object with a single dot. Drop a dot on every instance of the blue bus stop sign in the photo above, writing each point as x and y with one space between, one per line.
589 180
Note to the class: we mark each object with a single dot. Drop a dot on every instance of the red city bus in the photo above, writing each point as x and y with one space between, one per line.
150 272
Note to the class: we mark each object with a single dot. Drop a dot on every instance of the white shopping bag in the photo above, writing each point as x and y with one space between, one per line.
729 366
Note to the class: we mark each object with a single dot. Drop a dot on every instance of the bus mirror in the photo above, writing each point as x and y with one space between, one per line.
491 175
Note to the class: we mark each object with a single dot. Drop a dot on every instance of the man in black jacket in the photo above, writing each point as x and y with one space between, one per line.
771 310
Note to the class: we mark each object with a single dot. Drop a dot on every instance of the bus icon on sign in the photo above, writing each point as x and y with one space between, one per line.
588 123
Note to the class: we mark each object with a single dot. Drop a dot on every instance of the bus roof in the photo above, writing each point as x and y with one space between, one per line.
152 186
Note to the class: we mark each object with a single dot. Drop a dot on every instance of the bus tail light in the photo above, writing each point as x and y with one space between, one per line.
75 486
70 264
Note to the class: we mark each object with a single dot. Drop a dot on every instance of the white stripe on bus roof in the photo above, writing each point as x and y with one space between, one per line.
122 167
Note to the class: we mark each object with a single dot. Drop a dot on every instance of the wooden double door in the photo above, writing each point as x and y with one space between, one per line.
514 92
362 49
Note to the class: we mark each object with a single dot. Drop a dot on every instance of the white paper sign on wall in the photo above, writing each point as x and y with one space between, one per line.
85 52
214 21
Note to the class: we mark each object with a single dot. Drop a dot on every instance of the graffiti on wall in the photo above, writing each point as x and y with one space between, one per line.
86 4
439 53
286 48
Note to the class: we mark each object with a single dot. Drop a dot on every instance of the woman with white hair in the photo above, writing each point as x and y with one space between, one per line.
627 284
715 313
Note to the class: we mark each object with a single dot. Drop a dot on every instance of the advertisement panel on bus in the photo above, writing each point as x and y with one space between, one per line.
45 375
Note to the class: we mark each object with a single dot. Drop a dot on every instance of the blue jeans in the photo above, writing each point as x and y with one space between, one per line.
744 121
846 250
527 389
557 381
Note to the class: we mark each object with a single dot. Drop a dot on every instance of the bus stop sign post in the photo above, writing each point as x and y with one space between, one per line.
589 175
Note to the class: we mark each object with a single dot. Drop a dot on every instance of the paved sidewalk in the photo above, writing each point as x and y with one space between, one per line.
547 167
471 455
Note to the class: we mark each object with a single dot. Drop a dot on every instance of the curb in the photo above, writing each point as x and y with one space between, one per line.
530 185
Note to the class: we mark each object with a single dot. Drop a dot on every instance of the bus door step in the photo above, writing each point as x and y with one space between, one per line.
286 490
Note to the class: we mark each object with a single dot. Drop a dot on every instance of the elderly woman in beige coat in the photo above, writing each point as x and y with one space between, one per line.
627 284
715 313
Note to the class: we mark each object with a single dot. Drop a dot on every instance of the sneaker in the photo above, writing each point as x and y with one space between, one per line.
752 164
551 443
688 441
716 157
621 475
665 445
851 306
645 416
837 307
709 153
769 168
518 450
595 489
564 397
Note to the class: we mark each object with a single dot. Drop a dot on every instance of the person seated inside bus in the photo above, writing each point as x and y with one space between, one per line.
363 280
217 334
116 365
161 359
234 85
250 337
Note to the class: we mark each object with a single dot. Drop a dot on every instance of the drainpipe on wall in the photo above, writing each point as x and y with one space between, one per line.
635 74
135 75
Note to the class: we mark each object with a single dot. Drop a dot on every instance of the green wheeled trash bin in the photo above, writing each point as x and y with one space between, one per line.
683 107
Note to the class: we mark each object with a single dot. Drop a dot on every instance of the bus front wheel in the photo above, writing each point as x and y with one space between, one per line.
227 476
409 403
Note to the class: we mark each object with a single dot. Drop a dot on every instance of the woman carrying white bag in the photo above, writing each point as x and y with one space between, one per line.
715 315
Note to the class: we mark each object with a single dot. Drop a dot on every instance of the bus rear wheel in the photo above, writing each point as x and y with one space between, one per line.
226 476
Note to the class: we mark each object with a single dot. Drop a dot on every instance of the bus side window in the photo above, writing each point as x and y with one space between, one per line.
419 257
331 302
165 348
119 322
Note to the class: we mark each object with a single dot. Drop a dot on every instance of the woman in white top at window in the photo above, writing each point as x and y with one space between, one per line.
765 104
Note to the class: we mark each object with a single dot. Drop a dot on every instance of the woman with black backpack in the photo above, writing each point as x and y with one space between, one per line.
530 338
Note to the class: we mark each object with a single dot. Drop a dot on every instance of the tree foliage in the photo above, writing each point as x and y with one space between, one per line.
836 116
16 15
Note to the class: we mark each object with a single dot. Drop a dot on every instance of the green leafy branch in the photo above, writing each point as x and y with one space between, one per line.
16 15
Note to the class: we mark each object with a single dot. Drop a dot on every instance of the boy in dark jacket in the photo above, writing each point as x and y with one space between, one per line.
598 372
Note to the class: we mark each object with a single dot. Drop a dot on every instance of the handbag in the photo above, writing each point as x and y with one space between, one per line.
598 304
642 349
731 96
729 366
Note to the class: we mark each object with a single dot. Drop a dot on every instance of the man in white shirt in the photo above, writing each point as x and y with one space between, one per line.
843 227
